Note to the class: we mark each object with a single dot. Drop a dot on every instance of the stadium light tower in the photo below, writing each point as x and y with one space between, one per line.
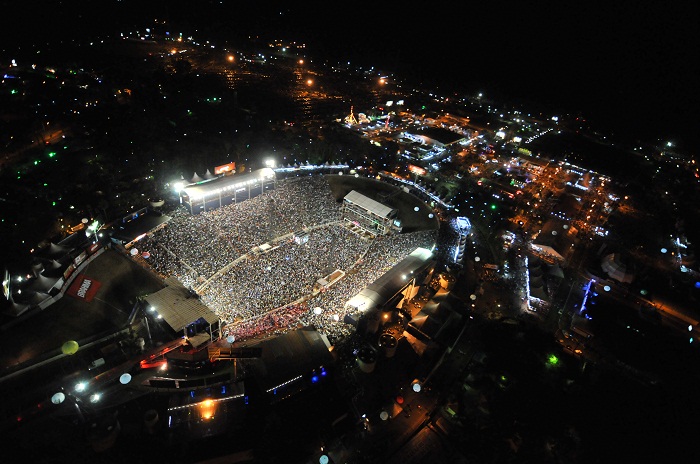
270 163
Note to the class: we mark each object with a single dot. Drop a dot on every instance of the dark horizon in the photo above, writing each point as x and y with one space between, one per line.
625 67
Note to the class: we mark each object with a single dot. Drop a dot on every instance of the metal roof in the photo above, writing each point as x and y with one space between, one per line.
178 306
227 183
389 283
367 203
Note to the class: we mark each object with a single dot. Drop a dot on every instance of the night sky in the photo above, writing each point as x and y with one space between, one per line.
624 65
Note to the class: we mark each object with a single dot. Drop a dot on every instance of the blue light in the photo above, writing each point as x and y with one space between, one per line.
223 389
697 284
192 393
323 372
245 399
314 379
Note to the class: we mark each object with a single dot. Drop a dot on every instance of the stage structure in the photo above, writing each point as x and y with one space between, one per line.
399 283
370 215
214 193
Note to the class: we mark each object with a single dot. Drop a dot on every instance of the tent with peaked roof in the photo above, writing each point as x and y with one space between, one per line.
53 264
42 284
196 178
616 268
34 298
208 175
37 267
16 309
53 251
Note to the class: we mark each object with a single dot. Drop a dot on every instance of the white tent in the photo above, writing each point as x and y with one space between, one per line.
616 269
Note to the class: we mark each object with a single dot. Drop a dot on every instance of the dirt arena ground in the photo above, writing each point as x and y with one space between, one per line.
389 195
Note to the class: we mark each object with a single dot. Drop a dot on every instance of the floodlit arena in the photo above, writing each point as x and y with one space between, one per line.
246 265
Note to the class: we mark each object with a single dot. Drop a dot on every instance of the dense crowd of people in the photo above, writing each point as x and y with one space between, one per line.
262 291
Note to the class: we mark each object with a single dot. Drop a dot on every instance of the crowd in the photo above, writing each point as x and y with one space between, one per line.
261 292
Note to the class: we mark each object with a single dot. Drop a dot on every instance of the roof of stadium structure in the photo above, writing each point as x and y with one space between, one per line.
386 286
178 306
370 205
227 183
143 224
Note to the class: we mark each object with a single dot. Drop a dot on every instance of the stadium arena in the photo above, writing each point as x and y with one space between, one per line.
281 260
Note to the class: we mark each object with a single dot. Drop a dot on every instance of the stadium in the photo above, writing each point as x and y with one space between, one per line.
286 258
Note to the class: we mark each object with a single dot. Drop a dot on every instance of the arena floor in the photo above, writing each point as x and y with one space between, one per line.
406 203
120 281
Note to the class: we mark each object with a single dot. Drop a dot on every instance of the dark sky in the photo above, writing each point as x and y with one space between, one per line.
625 64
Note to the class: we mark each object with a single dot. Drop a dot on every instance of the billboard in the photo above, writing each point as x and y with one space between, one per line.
230 167
84 288
93 248
80 258
69 270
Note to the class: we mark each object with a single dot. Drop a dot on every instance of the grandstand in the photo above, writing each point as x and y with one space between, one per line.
369 215
223 190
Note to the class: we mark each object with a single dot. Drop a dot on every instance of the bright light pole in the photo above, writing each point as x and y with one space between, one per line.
178 186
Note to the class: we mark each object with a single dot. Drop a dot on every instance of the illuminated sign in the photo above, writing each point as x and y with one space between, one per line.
67 273
230 167
80 258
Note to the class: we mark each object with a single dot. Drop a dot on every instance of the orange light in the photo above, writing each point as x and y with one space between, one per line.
230 58
207 408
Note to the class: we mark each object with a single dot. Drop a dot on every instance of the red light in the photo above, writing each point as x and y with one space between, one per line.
19 418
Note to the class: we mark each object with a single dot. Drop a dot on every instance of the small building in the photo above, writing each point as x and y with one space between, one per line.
369 215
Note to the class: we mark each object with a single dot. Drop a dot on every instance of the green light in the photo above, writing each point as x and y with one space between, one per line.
13 91
493 206
45 184
53 203
36 162
552 360
52 154
503 378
